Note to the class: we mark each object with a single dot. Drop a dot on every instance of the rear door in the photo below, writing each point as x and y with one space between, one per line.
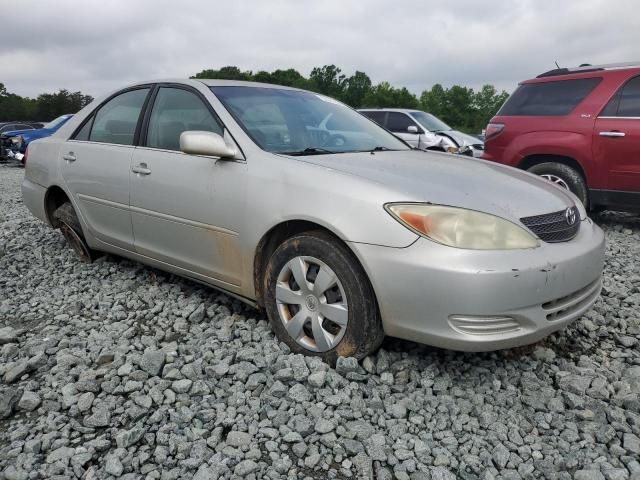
95 165
186 208
616 139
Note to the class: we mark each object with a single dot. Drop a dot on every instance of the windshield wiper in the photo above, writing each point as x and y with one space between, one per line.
309 151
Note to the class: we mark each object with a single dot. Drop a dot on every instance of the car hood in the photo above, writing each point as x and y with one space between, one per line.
460 138
30 135
15 133
444 179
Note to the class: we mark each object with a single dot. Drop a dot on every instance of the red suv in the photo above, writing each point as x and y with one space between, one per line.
579 128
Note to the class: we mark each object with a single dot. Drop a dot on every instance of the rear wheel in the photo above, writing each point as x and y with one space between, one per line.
565 177
70 227
319 299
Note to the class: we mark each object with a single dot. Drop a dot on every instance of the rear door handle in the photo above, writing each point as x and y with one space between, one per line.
612 134
69 157
141 169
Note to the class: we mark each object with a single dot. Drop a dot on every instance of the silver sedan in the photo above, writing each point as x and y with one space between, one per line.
293 202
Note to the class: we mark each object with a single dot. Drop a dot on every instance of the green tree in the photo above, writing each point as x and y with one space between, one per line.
356 88
434 101
487 102
384 95
52 105
289 78
225 73
459 106
328 80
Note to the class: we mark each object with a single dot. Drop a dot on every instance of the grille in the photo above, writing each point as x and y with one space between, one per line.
553 227
573 304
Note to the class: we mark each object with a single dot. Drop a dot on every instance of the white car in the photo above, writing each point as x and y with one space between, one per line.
424 131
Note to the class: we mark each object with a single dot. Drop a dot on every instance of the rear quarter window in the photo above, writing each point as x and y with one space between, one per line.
548 98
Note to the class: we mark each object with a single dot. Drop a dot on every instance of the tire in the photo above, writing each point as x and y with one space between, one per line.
564 176
70 227
320 255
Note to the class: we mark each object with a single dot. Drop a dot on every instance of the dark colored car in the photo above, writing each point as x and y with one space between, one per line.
18 125
16 141
579 128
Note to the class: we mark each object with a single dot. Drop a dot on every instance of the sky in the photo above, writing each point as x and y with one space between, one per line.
97 46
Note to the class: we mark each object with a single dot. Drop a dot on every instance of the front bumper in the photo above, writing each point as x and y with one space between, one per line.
484 300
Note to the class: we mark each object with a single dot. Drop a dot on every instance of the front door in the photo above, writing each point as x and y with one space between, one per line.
616 143
405 128
96 163
186 209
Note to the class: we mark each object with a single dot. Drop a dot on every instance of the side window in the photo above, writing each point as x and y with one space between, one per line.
399 122
377 117
548 98
176 110
117 119
630 99
611 110
84 132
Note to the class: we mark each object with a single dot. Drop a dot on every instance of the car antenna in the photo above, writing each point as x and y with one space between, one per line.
557 66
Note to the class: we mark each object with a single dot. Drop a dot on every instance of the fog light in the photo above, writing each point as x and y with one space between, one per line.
484 325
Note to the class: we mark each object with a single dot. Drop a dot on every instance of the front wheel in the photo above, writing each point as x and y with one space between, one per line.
565 177
319 299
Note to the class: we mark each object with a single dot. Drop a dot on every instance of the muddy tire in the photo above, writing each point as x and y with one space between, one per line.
70 227
564 176
319 299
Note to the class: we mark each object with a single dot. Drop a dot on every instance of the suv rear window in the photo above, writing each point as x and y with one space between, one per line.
548 98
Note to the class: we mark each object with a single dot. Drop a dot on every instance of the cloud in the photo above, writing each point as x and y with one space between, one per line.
99 46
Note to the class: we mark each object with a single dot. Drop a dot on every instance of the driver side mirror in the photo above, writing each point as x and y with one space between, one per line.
210 144
413 129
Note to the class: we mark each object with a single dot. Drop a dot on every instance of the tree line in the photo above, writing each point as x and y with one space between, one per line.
460 107
43 108
463 108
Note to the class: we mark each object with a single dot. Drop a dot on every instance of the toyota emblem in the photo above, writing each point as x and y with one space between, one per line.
570 215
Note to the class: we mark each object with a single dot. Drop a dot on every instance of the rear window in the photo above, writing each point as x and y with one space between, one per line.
548 98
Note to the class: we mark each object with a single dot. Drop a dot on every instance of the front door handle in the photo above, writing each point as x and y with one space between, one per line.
69 157
141 169
613 133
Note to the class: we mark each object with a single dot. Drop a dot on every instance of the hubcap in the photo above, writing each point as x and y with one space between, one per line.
312 304
555 179
78 245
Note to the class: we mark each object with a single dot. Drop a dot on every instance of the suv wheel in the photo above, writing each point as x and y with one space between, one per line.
565 177
319 299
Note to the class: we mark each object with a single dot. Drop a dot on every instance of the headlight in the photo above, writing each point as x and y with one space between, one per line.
17 141
461 228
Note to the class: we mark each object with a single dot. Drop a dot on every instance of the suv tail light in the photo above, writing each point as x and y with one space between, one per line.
493 129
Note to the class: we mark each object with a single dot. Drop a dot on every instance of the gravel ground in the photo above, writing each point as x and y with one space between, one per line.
118 370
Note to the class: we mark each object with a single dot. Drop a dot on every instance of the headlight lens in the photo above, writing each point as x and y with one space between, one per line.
17 141
462 228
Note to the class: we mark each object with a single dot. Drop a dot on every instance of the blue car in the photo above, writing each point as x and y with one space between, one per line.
16 141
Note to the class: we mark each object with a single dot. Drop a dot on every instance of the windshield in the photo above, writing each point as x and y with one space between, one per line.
302 123
429 122
53 124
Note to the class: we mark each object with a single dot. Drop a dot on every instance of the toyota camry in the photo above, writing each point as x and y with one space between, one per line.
295 203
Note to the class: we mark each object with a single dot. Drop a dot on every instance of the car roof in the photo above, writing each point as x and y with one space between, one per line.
211 83
583 71
401 110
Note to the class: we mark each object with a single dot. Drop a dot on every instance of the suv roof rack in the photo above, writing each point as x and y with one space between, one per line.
588 68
